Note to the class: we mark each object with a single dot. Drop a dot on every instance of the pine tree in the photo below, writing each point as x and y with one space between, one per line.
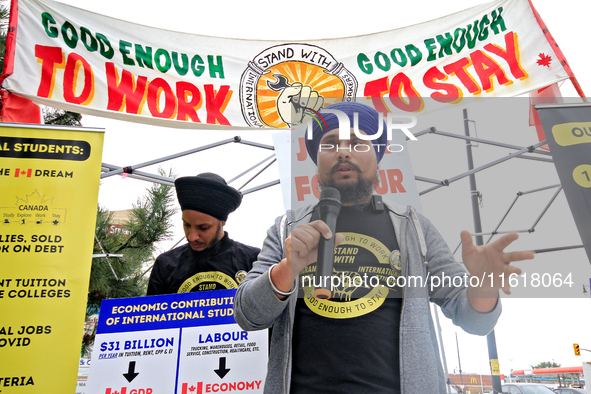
60 117
118 277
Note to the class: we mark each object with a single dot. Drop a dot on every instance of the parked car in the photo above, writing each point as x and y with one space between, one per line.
526 388
570 390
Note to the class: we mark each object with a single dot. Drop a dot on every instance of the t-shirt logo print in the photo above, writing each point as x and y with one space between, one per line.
395 260
350 281
240 276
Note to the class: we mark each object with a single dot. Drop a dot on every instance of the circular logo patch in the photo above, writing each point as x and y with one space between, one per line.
284 83
240 276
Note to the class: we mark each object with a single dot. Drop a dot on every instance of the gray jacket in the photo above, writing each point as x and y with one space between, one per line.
424 254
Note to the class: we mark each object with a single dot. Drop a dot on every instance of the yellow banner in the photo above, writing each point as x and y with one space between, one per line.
49 179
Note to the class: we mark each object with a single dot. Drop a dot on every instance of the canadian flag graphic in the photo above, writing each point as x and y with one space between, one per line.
22 171
192 389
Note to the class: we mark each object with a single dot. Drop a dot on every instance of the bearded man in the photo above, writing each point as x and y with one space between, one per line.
376 338
210 260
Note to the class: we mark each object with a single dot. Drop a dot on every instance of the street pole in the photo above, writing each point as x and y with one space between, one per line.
442 350
481 383
460 365
490 338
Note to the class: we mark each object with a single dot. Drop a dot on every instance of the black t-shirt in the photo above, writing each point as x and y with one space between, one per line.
350 343
222 266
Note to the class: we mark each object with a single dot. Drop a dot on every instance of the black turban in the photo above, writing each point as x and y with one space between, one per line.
207 193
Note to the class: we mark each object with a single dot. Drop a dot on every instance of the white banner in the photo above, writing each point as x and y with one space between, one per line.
88 63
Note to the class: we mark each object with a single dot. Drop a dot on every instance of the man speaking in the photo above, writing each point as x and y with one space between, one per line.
375 333
210 260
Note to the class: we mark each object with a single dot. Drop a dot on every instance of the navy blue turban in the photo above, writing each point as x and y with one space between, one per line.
368 122
207 193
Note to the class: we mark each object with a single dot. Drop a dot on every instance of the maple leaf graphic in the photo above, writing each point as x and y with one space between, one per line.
35 198
192 388
544 60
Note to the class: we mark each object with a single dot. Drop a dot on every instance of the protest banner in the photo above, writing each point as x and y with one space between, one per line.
88 63
49 178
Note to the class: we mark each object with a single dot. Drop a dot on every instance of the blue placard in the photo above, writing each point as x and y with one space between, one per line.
204 308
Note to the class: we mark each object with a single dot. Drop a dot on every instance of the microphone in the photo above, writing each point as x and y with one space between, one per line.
329 207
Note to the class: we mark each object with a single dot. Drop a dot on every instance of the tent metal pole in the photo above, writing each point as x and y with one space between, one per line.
490 338
433 188
426 131
446 182
151 179
144 175
260 187
495 162
503 219
527 157
502 232
488 142
107 256
519 194
257 174
250 169
429 180
163 179
166 158
546 208
257 144
540 189
493 233
558 248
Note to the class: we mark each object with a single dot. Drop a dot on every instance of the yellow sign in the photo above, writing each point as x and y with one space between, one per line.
494 367
582 175
49 179
567 134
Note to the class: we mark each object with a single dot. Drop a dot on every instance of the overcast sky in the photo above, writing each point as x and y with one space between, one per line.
530 330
